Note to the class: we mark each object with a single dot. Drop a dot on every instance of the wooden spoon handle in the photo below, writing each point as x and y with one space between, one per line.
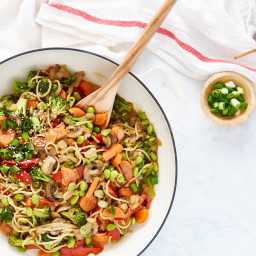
141 43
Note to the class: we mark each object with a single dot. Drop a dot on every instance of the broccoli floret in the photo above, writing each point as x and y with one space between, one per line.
70 164
58 106
36 174
69 119
6 101
121 105
69 80
6 153
6 214
15 241
43 214
19 87
31 75
78 217
43 85
20 107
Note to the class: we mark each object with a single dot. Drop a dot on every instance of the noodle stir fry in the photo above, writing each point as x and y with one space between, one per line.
67 186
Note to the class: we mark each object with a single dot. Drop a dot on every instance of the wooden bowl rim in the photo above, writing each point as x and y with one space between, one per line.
228 121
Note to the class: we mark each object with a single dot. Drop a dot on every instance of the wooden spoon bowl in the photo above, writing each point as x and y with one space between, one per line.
240 81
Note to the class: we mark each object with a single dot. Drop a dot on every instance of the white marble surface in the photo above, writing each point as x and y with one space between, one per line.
214 210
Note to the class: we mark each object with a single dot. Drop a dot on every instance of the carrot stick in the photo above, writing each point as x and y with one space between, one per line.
117 159
118 213
68 176
85 87
63 94
88 203
113 151
119 132
126 192
92 187
76 112
99 241
141 215
101 119
127 169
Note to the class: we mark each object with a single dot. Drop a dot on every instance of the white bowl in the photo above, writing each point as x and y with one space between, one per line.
132 89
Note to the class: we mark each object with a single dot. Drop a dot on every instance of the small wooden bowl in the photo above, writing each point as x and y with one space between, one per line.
240 81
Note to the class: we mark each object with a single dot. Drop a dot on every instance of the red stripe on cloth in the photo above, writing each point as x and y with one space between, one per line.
139 24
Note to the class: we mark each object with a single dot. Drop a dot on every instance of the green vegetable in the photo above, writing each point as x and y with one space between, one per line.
154 179
121 105
107 173
134 188
73 200
21 249
69 80
36 123
142 115
30 146
58 105
71 186
90 110
19 87
36 174
26 126
153 156
83 186
25 136
57 253
4 168
75 120
41 105
43 214
96 129
71 242
89 125
111 227
77 217
6 101
28 155
35 199
150 129
14 169
19 197
3 125
71 101
11 123
99 193
6 214
133 221
36 184
83 229
105 132
138 160
18 242
77 96
29 211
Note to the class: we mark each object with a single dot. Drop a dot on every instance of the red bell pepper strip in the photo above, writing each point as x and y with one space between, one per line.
99 138
115 234
24 176
22 164
80 170
42 203
79 251
57 177
54 124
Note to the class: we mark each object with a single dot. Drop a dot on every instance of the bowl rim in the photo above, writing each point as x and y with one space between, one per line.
150 93
228 122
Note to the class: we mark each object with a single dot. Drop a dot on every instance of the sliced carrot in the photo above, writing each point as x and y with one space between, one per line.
71 142
93 186
68 176
42 253
119 213
7 136
85 88
113 151
99 241
88 203
3 118
141 215
76 112
126 192
119 132
32 103
117 159
63 94
6 229
127 169
59 132
101 119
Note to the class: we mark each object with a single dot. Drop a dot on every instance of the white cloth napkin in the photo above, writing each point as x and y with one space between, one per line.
198 37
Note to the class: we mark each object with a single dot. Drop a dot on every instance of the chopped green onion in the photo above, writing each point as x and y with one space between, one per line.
215 93
29 211
31 110
230 84
219 85
235 103
154 180
111 227
90 110
225 111
224 91
25 136
19 197
36 123
28 155
11 123
26 126
80 140
71 242
134 188
243 105
3 125
4 168
240 90
15 142
35 199
13 179
216 105
221 105
99 193
30 146
214 111
105 132
14 169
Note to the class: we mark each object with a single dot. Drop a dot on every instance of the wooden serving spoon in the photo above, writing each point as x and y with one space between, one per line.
103 99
